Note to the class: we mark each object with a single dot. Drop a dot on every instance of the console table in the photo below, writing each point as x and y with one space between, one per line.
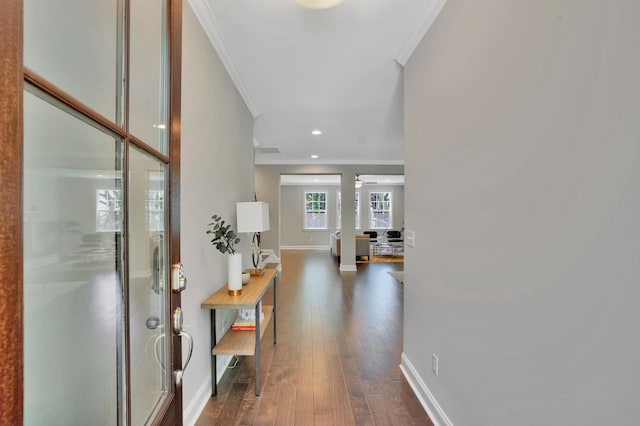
235 342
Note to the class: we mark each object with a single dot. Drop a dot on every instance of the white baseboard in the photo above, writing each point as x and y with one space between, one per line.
426 398
192 411
197 404
348 268
324 248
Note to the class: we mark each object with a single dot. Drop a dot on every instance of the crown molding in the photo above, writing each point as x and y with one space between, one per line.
214 33
425 19
261 161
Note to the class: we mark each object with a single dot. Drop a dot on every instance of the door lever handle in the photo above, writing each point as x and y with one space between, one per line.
179 373
177 329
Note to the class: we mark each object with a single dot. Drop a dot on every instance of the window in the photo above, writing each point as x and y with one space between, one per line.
380 210
339 215
108 210
154 205
315 210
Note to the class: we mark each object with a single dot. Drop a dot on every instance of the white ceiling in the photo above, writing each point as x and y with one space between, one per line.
338 70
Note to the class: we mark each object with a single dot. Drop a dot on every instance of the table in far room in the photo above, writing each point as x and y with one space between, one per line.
382 249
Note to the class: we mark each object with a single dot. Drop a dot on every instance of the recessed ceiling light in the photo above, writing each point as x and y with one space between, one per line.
315 156
316 132
318 4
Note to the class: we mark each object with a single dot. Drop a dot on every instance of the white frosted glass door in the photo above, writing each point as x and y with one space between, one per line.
74 44
72 264
149 329
98 342
148 73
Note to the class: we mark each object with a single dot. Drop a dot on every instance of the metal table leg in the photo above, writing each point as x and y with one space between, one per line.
214 384
257 351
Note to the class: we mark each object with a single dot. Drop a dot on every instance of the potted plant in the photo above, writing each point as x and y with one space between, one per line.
225 240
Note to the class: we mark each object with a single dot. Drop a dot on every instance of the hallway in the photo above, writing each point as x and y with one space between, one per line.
337 357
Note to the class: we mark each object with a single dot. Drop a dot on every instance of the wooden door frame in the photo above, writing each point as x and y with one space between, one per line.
11 212
11 323
173 408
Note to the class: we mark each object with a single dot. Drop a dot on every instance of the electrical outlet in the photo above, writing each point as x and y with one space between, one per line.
434 363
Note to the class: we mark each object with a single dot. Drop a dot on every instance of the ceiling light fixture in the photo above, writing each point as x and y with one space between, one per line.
316 132
314 156
359 182
318 4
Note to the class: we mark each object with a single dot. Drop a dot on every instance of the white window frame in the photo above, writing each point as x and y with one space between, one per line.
154 206
108 210
307 225
377 206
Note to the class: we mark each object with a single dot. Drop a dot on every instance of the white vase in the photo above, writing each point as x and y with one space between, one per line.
234 273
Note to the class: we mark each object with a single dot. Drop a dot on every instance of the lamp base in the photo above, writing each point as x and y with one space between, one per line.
255 272
235 292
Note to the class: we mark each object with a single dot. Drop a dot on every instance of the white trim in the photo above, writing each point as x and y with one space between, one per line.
298 161
323 248
214 33
197 404
426 398
426 18
193 411
348 268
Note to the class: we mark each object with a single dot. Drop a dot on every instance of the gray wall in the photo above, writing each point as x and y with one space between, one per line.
292 213
522 180
267 184
217 171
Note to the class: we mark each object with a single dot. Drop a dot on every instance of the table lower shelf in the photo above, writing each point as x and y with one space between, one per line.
242 342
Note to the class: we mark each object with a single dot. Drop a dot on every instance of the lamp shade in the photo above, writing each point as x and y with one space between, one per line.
253 216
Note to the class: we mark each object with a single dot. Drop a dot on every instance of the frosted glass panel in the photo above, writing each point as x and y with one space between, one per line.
148 295
148 73
71 262
73 44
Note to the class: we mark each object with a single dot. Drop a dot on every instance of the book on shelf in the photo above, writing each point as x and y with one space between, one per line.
246 324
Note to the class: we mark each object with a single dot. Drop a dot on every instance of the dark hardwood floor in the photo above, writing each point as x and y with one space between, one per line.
337 356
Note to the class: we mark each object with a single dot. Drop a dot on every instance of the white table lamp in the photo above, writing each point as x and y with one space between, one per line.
253 217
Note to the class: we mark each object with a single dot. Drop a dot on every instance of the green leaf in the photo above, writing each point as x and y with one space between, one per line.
224 237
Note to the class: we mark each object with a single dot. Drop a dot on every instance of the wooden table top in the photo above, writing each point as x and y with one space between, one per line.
252 292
